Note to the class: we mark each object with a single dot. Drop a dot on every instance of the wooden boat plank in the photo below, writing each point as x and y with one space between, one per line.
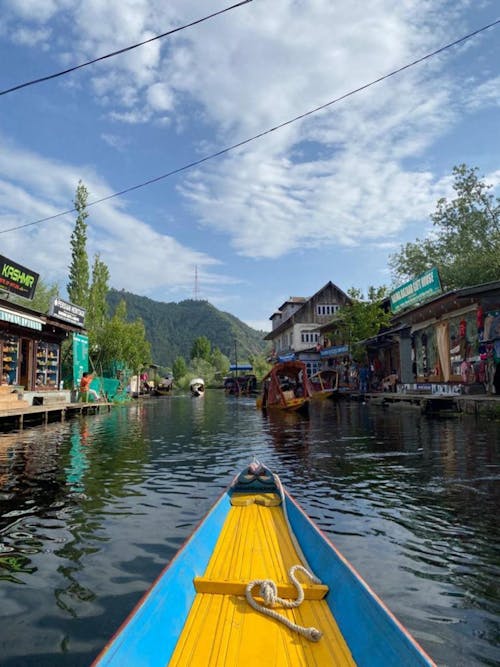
222 629
235 587
225 630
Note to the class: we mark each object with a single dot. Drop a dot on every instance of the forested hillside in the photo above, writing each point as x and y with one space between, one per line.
171 328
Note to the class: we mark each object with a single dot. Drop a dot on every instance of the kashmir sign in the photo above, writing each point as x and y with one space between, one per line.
419 289
17 279
68 312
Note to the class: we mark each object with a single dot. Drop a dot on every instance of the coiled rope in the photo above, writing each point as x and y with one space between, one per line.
269 592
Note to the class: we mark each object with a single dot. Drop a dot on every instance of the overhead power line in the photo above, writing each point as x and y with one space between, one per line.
228 149
124 50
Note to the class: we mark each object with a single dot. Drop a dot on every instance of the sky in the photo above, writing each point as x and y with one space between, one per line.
328 197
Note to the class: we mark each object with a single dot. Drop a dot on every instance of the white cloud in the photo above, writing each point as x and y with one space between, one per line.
35 10
484 94
27 37
32 187
160 97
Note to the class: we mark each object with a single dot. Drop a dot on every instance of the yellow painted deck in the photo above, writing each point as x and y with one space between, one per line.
223 630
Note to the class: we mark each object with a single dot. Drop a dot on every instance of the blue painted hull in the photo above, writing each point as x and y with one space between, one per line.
149 635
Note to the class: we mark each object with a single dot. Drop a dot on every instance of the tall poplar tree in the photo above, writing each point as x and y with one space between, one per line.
97 310
78 285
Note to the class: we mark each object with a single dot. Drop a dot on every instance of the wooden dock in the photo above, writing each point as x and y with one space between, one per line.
35 415
427 402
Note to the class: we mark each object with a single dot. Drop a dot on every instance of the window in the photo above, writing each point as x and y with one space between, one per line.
312 367
309 337
326 309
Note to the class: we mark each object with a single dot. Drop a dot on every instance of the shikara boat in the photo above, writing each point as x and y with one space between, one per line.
259 584
286 387
197 387
324 384
240 385
164 386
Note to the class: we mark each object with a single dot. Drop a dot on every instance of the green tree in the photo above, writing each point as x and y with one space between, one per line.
466 245
97 311
361 319
201 348
201 368
122 341
260 365
179 368
42 298
219 361
78 285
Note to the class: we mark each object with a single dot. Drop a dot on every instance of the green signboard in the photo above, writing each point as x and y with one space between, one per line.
80 357
419 289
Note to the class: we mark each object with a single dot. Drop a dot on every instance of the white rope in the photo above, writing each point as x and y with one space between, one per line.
269 591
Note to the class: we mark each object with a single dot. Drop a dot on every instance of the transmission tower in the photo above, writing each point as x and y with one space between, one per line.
196 286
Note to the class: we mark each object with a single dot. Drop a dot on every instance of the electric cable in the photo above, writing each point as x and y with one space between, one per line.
120 51
228 149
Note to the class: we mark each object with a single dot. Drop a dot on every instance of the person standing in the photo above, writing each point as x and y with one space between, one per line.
363 379
85 386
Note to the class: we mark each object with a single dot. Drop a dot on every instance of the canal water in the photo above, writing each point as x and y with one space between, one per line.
92 509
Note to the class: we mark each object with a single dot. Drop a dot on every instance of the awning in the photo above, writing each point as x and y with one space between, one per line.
21 319
336 351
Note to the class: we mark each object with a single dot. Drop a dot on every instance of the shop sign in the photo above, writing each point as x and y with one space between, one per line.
67 312
336 351
419 289
20 319
80 356
420 386
287 357
17 279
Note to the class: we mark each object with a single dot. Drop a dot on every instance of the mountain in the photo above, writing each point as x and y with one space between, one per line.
171 328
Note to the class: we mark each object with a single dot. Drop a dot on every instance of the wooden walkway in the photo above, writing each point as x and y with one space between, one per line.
18 418
427 402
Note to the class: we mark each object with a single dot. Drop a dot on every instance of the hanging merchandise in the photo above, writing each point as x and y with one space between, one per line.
462 328
480 319
495 328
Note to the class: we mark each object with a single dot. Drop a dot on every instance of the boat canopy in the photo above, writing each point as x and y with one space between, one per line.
241 367
286 377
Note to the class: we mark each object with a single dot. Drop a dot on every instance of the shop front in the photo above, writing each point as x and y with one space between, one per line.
455 345
30 348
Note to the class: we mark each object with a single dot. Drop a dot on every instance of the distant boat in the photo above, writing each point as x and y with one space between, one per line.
258 583
286 387
197 387
240 385
164 386
324 384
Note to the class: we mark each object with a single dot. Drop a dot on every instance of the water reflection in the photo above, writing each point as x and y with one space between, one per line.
92 509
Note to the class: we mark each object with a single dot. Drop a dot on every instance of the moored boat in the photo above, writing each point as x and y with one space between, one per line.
324 384
164 386
286 387
197 387
258 583
240 385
